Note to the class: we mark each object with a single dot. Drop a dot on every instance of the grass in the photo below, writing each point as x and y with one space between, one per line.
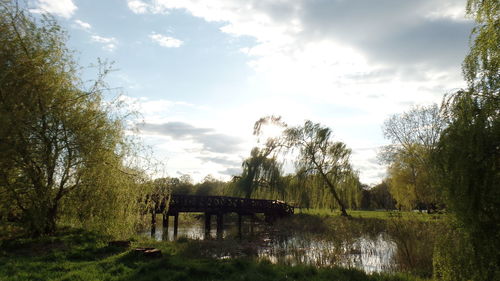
80 255
383 215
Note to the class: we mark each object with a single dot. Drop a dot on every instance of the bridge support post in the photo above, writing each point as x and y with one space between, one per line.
165 227
240 217
252 221
176 224
207 225
268 218
220 225
153 223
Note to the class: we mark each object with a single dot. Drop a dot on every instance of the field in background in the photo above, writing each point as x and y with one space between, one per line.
373 214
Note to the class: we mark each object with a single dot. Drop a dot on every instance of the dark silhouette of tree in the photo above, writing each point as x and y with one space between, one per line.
260 170
469 152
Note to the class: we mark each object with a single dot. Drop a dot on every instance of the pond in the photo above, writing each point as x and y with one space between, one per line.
371 253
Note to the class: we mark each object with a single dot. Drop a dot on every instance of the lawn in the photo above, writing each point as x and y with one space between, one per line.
379 214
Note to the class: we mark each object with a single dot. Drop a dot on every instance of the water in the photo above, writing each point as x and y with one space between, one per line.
366 253
369 253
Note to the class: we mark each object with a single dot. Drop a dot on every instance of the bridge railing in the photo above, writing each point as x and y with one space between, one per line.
194 203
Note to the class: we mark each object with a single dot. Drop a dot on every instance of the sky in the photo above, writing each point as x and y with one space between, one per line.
201 72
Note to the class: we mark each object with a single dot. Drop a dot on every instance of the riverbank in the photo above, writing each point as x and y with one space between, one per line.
79 255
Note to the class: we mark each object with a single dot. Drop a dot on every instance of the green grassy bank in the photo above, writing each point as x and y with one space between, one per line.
383 215
79 255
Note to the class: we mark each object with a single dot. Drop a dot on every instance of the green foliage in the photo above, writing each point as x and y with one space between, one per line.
155 193
468 157
210 186
260 170
414 135
415 240
311 192
378 197
182 186
320 155
382 215
324 177
453 255
62 147
482 64
410 181
162 188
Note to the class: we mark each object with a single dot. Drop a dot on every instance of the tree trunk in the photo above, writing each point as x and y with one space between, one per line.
50 221
43 223
343 211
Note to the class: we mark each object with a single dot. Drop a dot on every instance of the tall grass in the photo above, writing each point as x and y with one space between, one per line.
415 235
415 242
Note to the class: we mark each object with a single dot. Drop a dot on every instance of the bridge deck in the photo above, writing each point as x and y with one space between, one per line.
225 204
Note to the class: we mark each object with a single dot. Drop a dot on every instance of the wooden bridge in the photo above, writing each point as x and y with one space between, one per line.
218 206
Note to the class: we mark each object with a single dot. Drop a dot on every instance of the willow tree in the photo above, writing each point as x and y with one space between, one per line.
320 161
260 171
61 146
319 155
469 152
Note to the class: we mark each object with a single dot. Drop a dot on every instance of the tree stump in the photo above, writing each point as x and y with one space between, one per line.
148 252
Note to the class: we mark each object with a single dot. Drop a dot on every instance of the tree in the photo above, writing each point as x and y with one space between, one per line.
182 186
420 125
410 180
468 154
260 170
350 190
481 65
414 135
209 186
57 140
159 192
380 197
320 155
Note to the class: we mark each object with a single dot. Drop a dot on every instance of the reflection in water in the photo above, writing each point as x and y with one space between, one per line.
371 254
196 231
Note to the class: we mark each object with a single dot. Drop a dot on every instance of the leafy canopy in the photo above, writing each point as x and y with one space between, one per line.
62 147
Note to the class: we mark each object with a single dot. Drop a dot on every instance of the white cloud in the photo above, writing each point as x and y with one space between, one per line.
141 7
165 41
83 25
153 110
137 6
109 43
330 43
183 141
451 9
62 8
